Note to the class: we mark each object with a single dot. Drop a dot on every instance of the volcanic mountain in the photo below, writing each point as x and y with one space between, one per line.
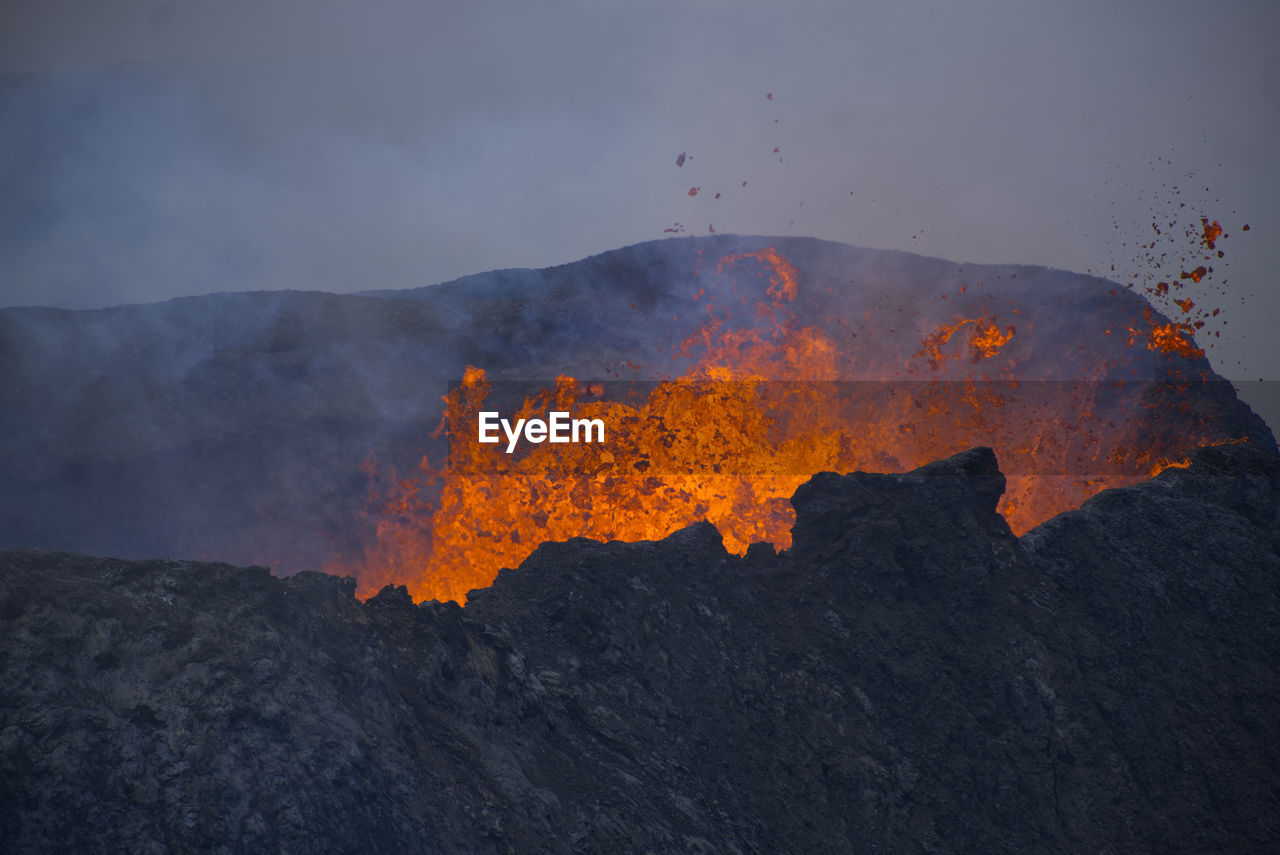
1039 614
302 430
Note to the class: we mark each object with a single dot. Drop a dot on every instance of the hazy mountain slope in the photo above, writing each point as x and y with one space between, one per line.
235 426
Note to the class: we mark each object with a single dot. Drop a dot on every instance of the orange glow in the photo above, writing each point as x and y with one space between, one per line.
1169 338
1185 462
985 340
1163 464
756 415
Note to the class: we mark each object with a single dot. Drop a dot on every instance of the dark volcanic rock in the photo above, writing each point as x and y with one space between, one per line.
909 677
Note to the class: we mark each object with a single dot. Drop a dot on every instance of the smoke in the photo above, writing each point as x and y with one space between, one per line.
160 149
121 191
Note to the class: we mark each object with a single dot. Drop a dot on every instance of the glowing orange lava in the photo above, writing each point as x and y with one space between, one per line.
760 410
1173 338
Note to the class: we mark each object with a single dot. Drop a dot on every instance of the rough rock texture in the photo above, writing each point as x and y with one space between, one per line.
908 677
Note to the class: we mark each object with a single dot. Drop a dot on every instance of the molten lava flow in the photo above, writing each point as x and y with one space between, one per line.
761 408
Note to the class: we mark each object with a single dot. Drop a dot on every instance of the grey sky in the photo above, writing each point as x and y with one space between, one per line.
155 149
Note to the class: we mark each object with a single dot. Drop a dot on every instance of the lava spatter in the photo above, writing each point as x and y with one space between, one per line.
763 404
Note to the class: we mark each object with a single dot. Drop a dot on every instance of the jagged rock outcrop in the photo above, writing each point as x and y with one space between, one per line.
908 677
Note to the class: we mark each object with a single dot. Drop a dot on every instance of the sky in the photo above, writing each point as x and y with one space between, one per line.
157 149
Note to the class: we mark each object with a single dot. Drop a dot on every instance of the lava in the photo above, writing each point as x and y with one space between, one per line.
761 408
1173 338
985 342
1212 231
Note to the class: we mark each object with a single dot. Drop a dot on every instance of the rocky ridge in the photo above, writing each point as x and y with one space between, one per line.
908 677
